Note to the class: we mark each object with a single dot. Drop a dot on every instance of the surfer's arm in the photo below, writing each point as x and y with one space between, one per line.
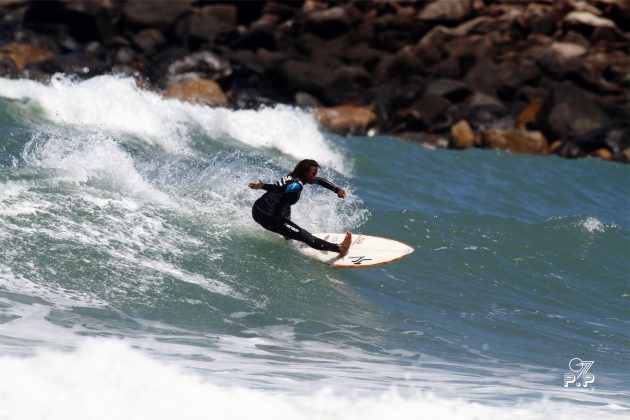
256 185
259 185
341 193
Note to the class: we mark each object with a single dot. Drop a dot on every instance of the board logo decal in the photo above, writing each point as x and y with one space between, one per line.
359 260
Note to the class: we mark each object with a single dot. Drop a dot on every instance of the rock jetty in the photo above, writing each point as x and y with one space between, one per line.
537 77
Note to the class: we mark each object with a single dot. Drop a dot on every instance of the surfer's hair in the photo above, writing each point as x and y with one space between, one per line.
302 168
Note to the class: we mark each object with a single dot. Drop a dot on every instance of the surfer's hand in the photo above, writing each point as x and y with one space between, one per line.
256 185
341 193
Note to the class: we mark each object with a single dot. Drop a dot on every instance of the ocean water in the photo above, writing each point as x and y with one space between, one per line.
134 284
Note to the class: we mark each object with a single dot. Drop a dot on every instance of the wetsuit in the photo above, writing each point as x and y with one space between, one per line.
273 211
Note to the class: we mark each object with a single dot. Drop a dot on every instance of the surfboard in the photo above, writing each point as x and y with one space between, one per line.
365 251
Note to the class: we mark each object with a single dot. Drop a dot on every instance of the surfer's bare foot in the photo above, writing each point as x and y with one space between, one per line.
345 245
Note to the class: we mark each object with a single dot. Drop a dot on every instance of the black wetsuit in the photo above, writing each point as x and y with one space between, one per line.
273 211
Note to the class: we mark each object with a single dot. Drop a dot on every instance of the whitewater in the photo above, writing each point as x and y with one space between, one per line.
134 283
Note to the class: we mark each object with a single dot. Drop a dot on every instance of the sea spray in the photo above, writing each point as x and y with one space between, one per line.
116 105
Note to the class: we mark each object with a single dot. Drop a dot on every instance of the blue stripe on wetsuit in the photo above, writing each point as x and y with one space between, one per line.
292 187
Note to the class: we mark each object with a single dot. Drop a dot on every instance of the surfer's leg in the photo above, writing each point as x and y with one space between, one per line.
292 231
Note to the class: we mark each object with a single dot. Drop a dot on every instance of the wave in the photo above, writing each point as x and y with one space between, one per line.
117 105
107 379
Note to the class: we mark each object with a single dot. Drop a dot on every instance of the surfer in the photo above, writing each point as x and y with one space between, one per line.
273 210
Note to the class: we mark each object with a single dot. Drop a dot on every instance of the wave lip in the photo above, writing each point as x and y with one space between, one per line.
116 105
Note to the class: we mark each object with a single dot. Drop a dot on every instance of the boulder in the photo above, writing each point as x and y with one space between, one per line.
430 49
588 19
427 111
149 40
260 34
597 28
562 58
250 98
347 84
364 55
485 76
284 10
328 23
392 40
451 89
201 91
299 75
483 110
604 72
614 138
541 18
82 20
202 63
618 138
447 10
569 112
567 149
399 66
346 119
213 22
392 96
400 19
516 141
24 54
603 153
161 14
618 11
462 135
304 100
391 32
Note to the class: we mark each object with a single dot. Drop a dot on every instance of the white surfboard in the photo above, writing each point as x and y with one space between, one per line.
365 251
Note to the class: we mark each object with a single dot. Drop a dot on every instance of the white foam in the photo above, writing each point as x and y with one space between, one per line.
11 203
106 379
11 189
90 157
289 130
593 225
16 283
117 105
105 102
212 285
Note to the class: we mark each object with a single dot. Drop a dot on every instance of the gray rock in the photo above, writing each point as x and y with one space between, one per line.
200 63
162 14
570 112
149 40
447 10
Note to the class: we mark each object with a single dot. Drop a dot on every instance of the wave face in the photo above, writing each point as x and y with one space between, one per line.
127 248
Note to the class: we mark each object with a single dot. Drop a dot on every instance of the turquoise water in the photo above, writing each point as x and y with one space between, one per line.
126 243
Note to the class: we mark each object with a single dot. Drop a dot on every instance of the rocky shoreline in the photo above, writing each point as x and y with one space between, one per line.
538 77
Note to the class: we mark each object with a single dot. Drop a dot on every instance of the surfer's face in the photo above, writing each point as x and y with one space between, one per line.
311 175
